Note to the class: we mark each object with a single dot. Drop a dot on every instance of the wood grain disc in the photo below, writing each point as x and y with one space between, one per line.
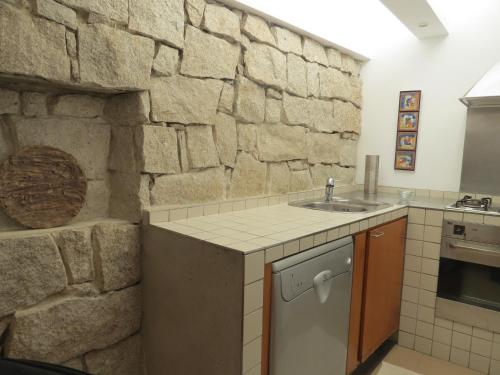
42 187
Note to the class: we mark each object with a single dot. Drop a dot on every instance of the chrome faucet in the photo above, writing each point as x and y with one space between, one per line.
330 184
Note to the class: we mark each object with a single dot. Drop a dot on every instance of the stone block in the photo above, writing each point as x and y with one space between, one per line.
248 178
300 181
34 104
56 12
356 92
320 174
77 325
298 165
31 269
323 148
116 10
287 41
113 58
96 205
278 178
183 154
129 195
124 155
159 19
226 98
87 140
75 363
124 358
220 63
350 65
279 142
117 255
314 113
166 61
78 106
297 75
71 45
266 65
334 84
274 108
250 101
195 10
202 152
226 139
76 252
222 22
157 149
313 79
347 153
9 101
185 100
128 109
346 117
247 138
314 52
334 58
345 176
51 62
257 29
274 94
195 187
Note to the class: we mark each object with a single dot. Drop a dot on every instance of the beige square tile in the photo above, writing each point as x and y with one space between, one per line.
354 228
437 194
432 234
409 309
455 195
442 335
406 340
462 328
403 357
239 206
441 351
363 225
254 267
332 234
256 370
195 211
407 324
452 215
414 247
483 334
344 231
445 323
178 214
492 220
473 218
416 215
430 266
431 250
252 326
428 282
425 314
411 278
460 357
434 217
410 294
424 329
460 340
415 232
413 263
372 222
225 207
427 298
479 363
422 192
274 253
480 346
423 345
494 367
252 354
320 238
253 296
306 243
291 247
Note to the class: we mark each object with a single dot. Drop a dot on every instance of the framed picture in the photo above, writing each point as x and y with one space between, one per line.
405 160
406 141
409 101
408 121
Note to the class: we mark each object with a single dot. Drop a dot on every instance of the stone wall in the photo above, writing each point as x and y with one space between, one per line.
71 296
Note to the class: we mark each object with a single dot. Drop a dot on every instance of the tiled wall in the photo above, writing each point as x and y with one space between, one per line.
419 328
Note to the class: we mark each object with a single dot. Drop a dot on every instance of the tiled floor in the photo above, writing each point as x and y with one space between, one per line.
402 361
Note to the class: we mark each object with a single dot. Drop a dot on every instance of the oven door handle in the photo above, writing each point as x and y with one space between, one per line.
488 255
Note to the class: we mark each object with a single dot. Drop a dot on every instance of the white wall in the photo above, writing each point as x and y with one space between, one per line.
444 69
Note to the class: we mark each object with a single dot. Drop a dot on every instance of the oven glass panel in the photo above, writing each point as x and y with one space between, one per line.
470 283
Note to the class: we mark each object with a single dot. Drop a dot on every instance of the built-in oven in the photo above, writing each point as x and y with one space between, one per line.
469 274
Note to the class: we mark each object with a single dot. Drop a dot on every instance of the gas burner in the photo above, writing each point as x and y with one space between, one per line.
467 201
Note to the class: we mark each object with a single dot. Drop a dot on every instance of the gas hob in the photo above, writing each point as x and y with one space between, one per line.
469 204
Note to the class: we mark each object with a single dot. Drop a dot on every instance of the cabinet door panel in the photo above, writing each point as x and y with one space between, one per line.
383 283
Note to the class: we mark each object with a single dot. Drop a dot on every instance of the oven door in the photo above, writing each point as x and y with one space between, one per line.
469 272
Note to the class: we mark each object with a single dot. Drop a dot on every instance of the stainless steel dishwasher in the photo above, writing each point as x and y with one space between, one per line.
311 302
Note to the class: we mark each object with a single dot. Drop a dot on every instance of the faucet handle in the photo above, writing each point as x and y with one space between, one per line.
330 182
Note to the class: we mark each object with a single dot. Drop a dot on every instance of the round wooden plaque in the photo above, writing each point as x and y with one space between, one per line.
42 187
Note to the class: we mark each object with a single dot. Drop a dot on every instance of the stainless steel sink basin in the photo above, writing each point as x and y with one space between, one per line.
339 204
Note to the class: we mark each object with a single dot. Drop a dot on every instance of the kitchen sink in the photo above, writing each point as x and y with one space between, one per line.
339 204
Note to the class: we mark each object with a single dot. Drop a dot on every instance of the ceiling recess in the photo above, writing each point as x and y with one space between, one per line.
418 17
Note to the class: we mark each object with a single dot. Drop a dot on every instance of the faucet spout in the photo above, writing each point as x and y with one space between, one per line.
330 185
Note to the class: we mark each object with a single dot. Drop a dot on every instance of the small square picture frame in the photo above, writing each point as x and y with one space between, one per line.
409 101
408 121
405 160
406 141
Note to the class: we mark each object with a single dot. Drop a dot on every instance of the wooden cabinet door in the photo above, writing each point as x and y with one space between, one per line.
382 287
